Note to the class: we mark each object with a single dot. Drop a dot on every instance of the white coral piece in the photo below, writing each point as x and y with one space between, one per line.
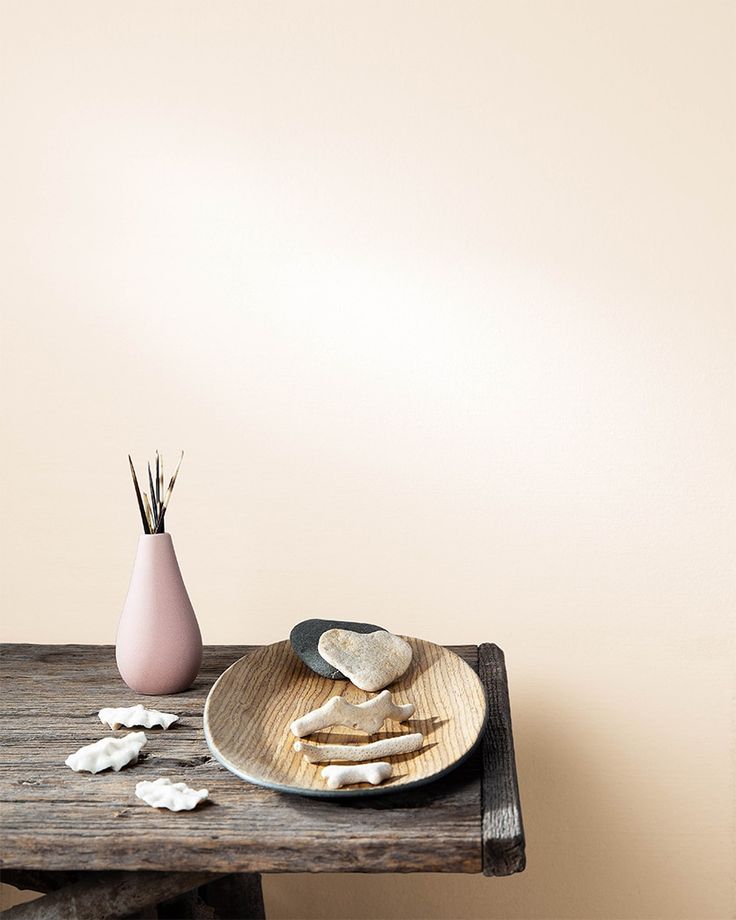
373 773
359 753
107 753
162 793
368 716
136 715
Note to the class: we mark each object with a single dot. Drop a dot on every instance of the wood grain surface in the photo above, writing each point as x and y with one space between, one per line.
54 819
251 706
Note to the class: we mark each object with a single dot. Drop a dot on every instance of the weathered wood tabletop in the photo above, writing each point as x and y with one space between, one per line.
54 819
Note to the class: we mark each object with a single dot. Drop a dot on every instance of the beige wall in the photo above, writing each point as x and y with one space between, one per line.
437 298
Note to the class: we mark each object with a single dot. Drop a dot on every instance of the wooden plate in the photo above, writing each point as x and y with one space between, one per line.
252 704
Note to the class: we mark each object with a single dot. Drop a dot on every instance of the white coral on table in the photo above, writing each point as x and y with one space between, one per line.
162 793
107 753
136 715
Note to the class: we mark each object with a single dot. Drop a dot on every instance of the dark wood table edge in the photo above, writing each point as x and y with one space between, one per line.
502 829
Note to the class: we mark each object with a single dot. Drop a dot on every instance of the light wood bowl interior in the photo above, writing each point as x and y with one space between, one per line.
252 704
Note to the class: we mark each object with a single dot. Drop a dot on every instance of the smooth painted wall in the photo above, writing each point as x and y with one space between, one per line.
438 298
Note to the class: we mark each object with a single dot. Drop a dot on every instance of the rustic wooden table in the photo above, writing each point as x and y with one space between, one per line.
98 851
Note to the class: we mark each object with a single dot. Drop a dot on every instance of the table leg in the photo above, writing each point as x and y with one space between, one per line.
187 906
98 895
138 895
235 897
232 897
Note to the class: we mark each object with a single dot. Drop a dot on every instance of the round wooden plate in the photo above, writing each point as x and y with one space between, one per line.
252 704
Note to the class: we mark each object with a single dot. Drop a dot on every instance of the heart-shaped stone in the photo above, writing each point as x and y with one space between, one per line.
371 661
305 637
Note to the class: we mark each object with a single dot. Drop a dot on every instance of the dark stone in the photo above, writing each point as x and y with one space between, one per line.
304 639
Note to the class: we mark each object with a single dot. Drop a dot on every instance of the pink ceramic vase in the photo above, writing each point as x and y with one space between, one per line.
159 646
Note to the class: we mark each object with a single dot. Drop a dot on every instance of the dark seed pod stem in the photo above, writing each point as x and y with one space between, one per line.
152 511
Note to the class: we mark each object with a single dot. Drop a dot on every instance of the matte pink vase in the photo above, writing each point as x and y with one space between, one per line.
159 645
